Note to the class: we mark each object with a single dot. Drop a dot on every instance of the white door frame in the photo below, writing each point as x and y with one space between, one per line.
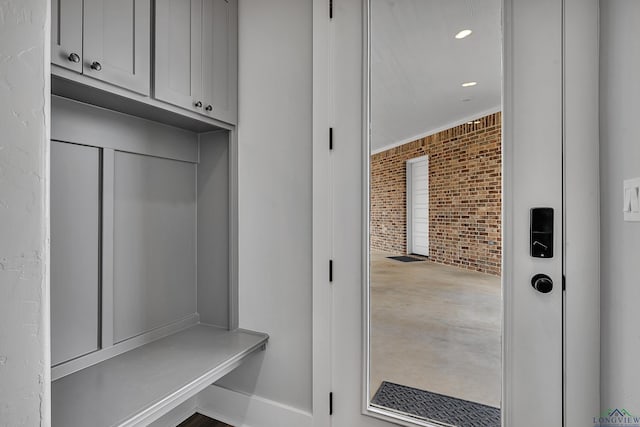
582 212
581 160
409 204
321 221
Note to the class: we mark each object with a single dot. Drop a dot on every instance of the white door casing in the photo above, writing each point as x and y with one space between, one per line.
417 177
582 211
532 175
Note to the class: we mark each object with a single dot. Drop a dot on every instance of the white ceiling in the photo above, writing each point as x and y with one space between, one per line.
418 66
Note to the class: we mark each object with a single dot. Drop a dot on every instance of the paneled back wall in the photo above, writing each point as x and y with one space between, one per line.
135 203
465 195
124 200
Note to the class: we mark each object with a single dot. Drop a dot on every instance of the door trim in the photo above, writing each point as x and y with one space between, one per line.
582 212
409 205
321 228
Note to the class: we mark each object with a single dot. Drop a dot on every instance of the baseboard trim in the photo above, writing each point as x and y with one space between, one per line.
243 410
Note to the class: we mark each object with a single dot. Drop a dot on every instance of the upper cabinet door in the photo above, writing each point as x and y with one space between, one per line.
220 59
178 64
117 42
66 34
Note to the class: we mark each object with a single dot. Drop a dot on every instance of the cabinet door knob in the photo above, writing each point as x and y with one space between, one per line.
209 107
74 57
96 66
198 104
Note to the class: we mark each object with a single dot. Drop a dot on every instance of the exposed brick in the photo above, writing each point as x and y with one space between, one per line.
465 195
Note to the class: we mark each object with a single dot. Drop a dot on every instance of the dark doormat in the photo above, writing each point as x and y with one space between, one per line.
436 407
405 258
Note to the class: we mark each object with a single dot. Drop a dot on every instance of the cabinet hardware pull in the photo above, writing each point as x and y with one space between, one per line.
209 108
74 57
96 66
198 104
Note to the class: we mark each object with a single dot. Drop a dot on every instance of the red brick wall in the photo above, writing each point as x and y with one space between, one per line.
465 195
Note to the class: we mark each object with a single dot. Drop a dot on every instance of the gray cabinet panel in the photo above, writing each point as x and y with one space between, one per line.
154 243
220 58
213 229
75 193
117 35
196 62
178 64
66 33
81 123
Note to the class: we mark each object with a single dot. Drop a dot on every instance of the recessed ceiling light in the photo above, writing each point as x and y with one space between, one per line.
477 122
464 33
469 84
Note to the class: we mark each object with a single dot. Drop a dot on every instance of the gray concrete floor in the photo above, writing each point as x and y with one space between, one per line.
436 328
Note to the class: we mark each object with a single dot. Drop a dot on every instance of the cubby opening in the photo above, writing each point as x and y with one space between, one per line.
143 288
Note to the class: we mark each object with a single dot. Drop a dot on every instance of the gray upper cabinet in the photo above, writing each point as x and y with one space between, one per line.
220 58
197 56
195 66
117 42
178 63
66 34
108 40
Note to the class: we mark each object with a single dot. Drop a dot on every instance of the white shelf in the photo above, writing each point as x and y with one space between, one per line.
139 386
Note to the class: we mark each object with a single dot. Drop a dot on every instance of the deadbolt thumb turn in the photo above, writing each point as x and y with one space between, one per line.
542 283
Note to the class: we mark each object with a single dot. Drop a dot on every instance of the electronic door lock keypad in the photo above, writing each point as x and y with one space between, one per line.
541 242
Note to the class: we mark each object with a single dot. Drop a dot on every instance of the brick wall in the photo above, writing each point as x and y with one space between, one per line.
465 195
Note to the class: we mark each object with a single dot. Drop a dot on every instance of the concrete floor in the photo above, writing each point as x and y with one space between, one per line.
435 328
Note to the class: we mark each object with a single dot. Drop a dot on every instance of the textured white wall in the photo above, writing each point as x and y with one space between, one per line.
274 142
24 316
620 241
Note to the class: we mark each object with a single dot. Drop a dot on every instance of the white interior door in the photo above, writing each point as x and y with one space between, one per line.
532 156
418 206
